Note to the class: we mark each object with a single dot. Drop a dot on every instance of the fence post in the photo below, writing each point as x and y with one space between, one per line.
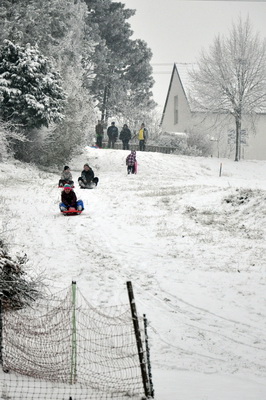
148 355
138 339
73 375
220 171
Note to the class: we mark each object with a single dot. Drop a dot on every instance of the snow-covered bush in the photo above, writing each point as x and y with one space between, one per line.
8 136
57 143
200 142
16 287
173 139
187 143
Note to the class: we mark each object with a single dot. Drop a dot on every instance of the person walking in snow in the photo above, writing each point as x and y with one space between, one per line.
125 136
131 162
112 133
66 177
142 137
87 177
69 200
99 134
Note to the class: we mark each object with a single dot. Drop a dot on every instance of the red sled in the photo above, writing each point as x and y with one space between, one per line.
72 212
135 167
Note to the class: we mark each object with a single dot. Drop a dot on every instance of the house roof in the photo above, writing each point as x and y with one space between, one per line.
182 71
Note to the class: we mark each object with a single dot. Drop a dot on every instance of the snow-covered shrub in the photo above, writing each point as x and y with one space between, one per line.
241 196
8 136
56 144
173 139
187 143
4 147
199 142
17 288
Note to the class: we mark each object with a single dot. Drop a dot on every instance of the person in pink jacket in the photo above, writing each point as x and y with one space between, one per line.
131 162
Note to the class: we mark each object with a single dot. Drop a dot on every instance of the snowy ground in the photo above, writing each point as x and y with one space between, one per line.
191 242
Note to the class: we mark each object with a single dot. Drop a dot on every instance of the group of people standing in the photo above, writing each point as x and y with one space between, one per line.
125 135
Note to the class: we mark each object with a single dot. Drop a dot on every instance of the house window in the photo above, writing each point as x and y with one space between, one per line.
175 109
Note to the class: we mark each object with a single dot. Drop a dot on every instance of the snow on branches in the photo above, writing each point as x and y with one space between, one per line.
30 89
17 289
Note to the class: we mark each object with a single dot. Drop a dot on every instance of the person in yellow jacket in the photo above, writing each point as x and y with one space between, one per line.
142 137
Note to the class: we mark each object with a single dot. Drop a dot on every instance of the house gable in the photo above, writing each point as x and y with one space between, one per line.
176 113
180 116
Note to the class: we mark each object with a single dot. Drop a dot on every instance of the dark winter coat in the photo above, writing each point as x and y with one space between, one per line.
69 199
99 130
131 158
112 132
87 176
125 134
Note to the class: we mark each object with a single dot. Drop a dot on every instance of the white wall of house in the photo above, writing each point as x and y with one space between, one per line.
179 118
217 128
256 142
177 113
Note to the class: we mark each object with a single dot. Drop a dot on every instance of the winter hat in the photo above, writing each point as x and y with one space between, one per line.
66 167
66 187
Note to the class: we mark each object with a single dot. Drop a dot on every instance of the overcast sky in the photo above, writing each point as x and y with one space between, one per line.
176 30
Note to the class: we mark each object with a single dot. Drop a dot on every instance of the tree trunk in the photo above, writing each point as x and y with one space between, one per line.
238 139
103 117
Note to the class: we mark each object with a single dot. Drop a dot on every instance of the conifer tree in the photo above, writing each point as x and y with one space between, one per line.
122 72
30 89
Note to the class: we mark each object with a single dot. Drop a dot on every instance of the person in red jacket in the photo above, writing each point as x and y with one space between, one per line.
69 200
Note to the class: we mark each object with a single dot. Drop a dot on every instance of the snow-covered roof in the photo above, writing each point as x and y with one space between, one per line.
183 70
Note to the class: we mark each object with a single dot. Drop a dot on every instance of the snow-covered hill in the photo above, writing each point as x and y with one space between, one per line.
191 242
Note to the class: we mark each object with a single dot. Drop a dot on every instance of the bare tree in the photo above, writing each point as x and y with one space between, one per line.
231 77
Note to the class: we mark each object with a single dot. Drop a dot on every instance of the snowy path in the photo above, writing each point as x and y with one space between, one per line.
197 263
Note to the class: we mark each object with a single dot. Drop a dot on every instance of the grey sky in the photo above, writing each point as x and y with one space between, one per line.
177 30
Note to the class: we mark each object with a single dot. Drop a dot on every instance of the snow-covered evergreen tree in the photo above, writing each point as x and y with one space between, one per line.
17 288
122 74
30 89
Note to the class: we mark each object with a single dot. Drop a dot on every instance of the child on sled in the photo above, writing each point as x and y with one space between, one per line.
69 200
87 178
66 177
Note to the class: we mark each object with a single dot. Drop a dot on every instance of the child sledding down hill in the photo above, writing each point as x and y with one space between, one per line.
87 178
66 177
131 163
69 200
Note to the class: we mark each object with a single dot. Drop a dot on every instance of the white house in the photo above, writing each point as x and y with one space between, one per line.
179 116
